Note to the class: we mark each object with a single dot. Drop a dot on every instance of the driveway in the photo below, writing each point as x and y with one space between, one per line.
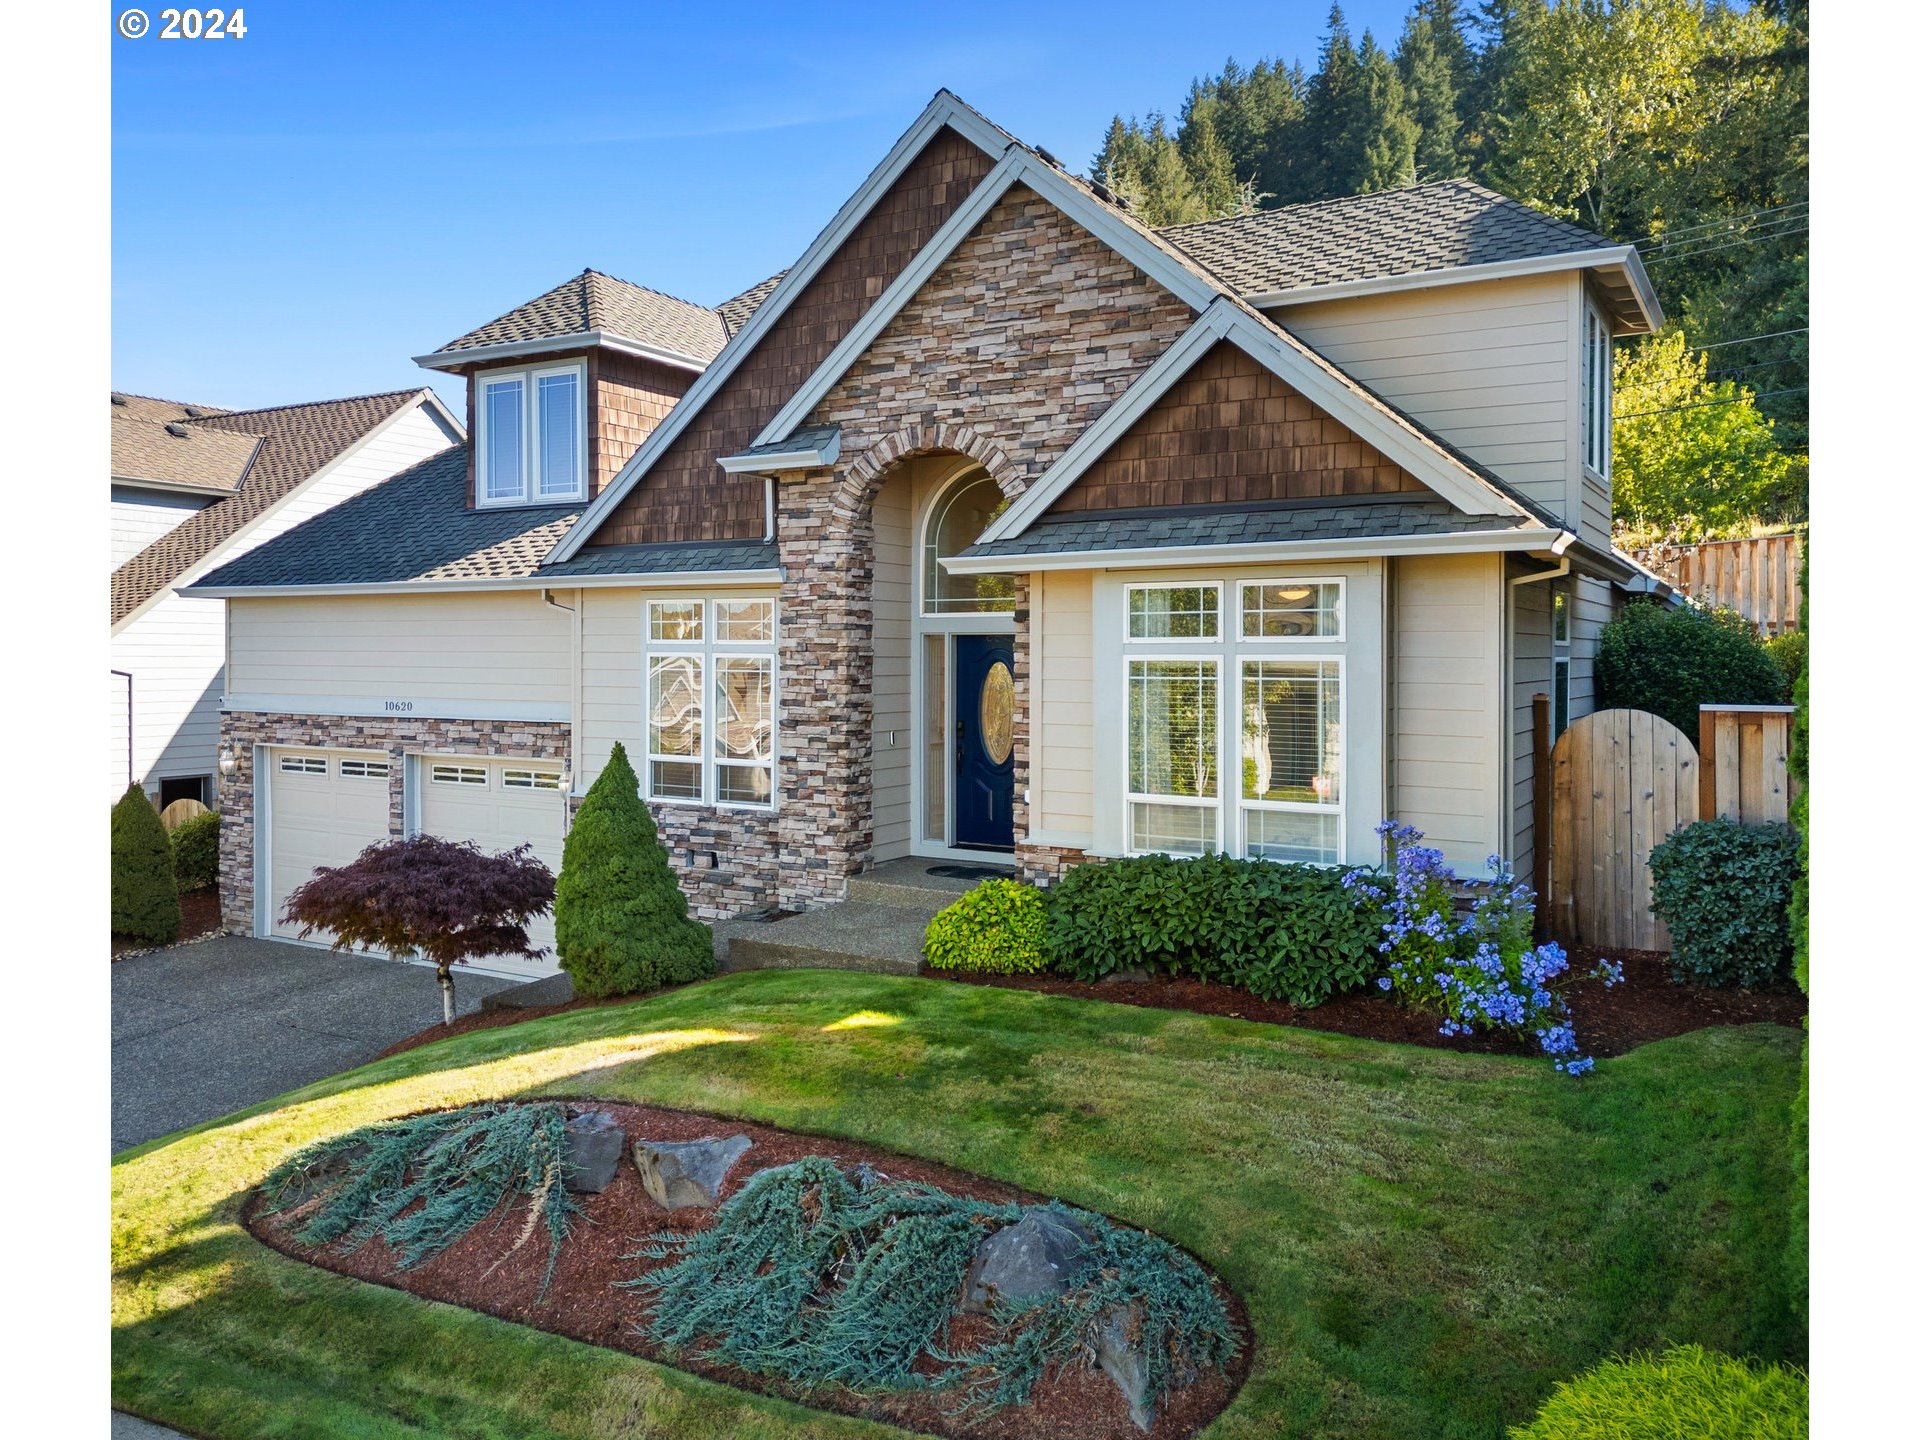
200 1030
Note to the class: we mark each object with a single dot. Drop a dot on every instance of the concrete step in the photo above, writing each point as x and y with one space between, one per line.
910 885
856 935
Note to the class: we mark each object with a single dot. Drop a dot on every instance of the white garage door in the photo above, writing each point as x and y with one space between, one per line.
324 807
499 804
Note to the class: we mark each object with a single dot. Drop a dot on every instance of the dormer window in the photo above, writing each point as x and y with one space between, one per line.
531 446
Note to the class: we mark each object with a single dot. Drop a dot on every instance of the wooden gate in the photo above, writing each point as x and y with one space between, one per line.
1623 780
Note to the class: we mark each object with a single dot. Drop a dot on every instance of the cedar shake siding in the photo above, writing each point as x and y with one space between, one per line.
685 496
626 398
1230 432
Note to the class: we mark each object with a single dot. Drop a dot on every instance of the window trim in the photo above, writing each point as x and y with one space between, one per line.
367 769
710 650
1221 616
1596 393
529 377
1560 641
1243 805
1339 635
1129 796
304 764
539 778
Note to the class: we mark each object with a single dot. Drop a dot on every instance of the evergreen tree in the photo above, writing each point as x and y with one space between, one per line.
145 900
1384 127
1432 71
1217 190
620 919
1327 129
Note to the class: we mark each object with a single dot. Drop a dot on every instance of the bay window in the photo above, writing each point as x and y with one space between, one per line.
530 448
710 701
1241 680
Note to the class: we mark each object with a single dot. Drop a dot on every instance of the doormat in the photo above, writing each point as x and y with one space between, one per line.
971 872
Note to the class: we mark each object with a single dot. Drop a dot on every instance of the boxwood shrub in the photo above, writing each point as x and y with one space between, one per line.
1674 661
146 906
1280 932
1685 1391
1726 892
999 928
196 851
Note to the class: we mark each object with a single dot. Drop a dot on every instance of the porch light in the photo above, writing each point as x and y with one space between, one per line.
228 762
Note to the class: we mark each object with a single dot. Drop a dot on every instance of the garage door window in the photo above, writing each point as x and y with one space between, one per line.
710 701
303 764
460 775
365 769
530 779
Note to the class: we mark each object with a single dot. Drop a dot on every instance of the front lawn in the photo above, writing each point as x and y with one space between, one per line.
1425 1240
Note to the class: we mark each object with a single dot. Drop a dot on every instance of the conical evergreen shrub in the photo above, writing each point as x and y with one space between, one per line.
619 918
146 904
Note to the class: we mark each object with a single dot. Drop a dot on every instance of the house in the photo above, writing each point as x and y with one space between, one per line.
997 525
193 487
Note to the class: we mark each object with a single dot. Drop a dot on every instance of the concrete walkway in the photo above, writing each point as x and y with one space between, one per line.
201 1030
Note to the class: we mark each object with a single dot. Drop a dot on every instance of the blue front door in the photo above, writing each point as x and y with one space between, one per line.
983 741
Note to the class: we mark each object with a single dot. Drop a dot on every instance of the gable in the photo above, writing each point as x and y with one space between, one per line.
684 496
1231 432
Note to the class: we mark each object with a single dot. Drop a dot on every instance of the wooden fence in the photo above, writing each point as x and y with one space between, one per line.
1621 781
1759 577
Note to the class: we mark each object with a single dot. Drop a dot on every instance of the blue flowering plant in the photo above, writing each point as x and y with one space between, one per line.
1472 961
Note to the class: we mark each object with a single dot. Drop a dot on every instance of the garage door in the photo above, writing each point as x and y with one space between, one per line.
498 804
324 807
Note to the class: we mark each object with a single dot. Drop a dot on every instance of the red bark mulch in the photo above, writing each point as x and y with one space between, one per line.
1610 1021
483 1272
199 917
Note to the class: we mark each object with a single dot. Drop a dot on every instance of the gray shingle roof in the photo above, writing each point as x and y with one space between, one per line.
593 301
418 527
1349 518
737 311
1437 226
147 407
296 440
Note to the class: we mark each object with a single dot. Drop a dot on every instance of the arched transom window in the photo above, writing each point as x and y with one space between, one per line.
961 512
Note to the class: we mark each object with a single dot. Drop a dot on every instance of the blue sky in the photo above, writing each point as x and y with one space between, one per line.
298 212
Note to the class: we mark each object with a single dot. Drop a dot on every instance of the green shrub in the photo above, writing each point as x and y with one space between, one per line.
620 920
1726 892
999 927
1672 662
1788 651
146 906
1291 932
196 852
1686 1391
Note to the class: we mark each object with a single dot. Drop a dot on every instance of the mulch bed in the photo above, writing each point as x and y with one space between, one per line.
1648 1005
199 918
482 1272
1610 1021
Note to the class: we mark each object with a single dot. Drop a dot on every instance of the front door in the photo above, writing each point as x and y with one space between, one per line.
983 741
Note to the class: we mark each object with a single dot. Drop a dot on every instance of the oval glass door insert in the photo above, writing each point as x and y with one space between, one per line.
996 712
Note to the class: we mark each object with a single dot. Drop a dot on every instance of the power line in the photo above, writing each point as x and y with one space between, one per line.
1748 339
1705 404
1658 255
1669 235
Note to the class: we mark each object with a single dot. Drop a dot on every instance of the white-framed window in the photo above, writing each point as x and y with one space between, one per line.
954 521
516 778
1265 710
530 440
1596 392
303 764
711 694
449 774
1562 659
365 769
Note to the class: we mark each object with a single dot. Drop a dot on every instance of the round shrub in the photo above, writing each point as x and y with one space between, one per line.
999 927
1686 1391
1291 932
1672 662
196 851
146 906
1788 651
619 918
1725 890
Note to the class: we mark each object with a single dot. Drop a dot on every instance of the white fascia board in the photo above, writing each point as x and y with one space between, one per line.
578 340
946 110
173 487
1466 491
1626 257
815 458
661 580
1261 553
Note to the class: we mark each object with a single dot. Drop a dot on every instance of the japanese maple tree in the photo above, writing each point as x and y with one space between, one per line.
446 901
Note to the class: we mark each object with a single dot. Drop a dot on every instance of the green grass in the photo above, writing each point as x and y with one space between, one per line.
1425 1241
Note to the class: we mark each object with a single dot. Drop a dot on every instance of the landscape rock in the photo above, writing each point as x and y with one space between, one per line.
1030 1260
595 1142
1117 1348
683 1173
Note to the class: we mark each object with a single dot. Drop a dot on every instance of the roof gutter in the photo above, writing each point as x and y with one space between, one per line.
173 487
659 581
765 461
1542 542
579 340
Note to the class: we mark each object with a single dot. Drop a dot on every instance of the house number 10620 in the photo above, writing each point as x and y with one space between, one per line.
396 706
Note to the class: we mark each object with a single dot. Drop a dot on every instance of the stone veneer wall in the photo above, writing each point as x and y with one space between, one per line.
742 843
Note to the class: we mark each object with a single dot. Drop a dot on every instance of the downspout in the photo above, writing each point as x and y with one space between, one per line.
1558 572
573 729
128 676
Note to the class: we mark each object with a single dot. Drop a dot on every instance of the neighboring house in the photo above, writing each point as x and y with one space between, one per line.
997 525
195 486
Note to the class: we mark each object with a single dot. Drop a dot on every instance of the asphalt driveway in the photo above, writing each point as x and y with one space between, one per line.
200 1030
